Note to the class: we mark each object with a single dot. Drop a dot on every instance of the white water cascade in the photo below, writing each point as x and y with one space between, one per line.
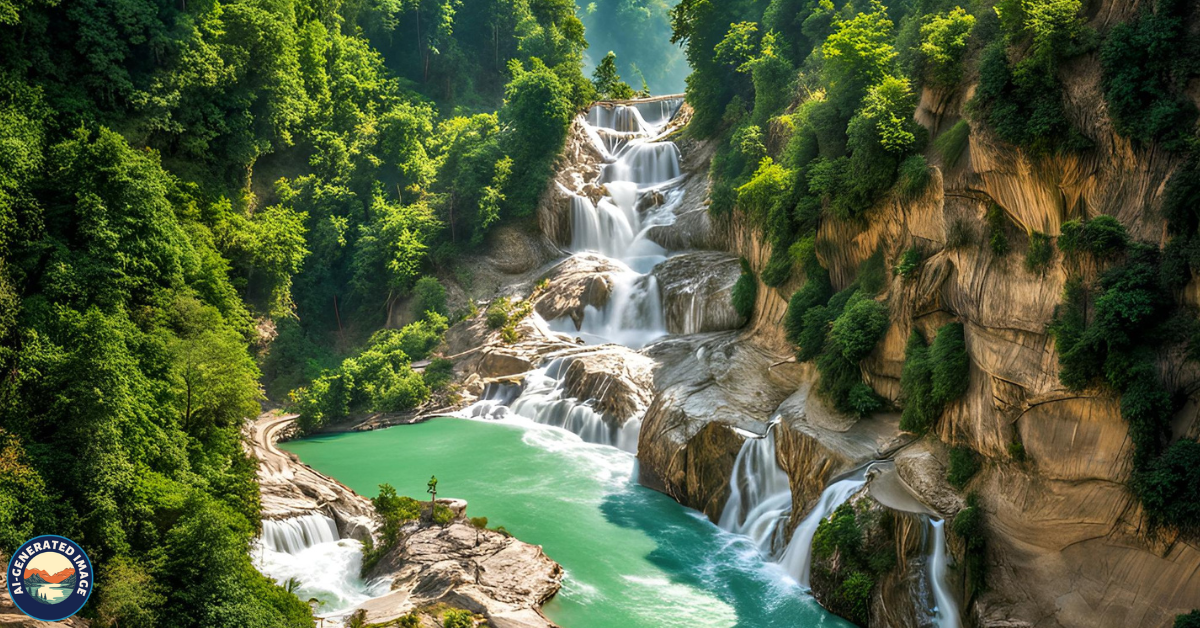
946 610
307 554
760 498
797 559
641 181
543 400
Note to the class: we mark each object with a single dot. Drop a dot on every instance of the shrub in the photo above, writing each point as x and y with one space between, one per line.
778 269
840 533
961 234
963 466
439 373
815 292
1189 620
1040 253
479 522
859 328
863 400
1146 65
1016 451
814 329
916 387
997 230
968 526
855 597
497 312
944 38
429 296
915 176
950 363
910 261
1170 488
952 143
872 274
1102 236
442 515
745 291
455 618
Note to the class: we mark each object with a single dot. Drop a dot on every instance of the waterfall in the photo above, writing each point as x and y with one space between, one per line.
543 400
797 559
644 163
946 612
760 497
306 553
299 533
633 316
641 187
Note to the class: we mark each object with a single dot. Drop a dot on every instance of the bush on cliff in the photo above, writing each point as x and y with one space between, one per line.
964 464
968 525
745 291
933 376
852 549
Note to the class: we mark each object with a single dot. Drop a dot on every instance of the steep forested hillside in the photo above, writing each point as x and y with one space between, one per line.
942 190
182 183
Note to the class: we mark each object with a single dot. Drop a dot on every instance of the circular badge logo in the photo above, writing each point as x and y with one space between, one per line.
49 578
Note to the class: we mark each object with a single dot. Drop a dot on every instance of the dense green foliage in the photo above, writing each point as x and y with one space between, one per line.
852 549
1040 253
932 376
968 525
180 182
1189 620
1102 237
378 379
1147 63
1021 97
745 291
952 143
964 464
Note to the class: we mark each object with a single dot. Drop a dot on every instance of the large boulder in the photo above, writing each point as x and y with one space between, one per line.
697 292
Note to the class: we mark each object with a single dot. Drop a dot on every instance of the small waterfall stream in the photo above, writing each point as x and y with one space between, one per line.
797 560
946 612
306 553
760 497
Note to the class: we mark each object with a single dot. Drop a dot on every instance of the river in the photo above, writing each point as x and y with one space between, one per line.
634 558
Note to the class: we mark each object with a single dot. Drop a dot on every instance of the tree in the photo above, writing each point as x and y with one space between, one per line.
857 55
944 38
608 82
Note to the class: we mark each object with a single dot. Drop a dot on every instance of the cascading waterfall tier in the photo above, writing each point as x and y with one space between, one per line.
293 536
760 497
543 399
641 185
307 552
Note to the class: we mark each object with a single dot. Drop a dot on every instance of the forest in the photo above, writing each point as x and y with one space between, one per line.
182 185
206 206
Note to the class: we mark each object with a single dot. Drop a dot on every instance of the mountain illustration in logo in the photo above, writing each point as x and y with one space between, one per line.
46 587
41 577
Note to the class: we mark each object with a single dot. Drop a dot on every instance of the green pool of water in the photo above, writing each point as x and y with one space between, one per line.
633 557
